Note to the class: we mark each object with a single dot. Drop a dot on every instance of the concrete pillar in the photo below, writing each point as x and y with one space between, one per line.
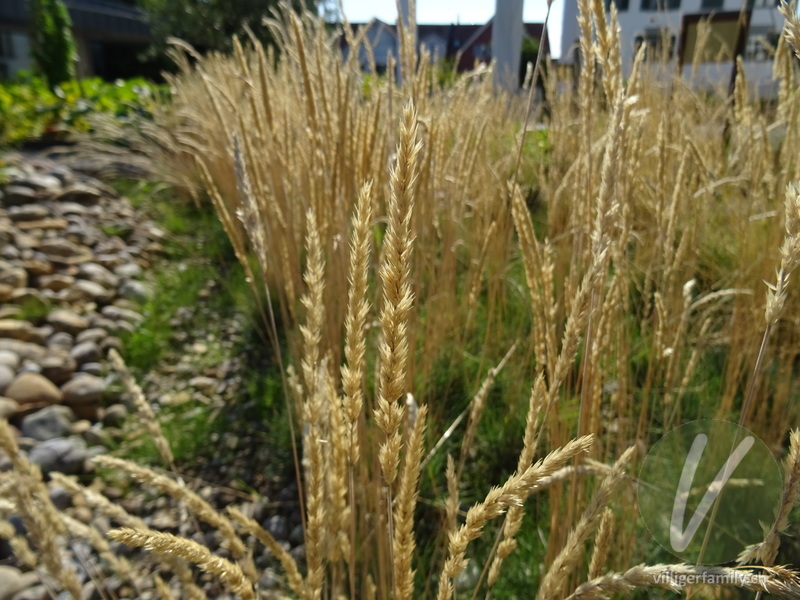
507 42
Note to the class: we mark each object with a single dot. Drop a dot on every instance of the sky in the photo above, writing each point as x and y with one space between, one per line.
452 11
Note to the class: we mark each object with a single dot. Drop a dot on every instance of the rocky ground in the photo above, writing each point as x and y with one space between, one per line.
74 264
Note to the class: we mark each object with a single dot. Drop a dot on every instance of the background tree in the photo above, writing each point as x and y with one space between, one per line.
209 24
54 52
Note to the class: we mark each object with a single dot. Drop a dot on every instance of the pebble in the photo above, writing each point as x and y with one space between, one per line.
136 290
32 390
9 359
8 407
71 255
58 367
6 377
66 455
20 330
67 321
83 389
85 352
11 582
48 423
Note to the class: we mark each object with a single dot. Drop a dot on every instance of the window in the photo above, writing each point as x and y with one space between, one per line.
712 4
622 5
653 5
761 43
6 45
660 44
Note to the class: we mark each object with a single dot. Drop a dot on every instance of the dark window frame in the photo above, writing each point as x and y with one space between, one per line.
660 5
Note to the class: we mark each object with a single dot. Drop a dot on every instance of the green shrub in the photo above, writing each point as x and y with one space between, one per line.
54 47
30 110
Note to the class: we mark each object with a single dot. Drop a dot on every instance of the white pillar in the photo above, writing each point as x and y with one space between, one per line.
405 12
507 42
404 15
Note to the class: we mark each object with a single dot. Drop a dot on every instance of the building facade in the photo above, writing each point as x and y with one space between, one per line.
464 46
108 35
670 30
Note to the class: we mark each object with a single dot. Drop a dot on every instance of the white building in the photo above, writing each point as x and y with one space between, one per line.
670 28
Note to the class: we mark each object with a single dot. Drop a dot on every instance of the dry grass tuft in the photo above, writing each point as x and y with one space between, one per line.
410 234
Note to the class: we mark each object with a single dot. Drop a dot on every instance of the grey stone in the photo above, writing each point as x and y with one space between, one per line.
82 194
13 275
65 455
122 314
10 251
38 267
100 322
39 182
20 330
94 334
60 497
60 341
56 282
84 290
115 415
9 359
33 390
85 352
128 271
83 389
278 526
63 249
7 375
71 208
67 320
136 290
92 368
28 212
8 407
111 342
58 367
123 327
204 384
10 582
98 274
16 195
468 577
48 423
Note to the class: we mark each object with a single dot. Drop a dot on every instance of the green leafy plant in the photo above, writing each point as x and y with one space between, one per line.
54 47
29 109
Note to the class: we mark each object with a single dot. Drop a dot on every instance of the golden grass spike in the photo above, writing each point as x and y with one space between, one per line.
165 544
602 544
783 583
404 543
358 307
180 492
314 304
513 520
287 560
514 491
40 517
398 296
791 27
151 423
477 405
767 550
559 571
